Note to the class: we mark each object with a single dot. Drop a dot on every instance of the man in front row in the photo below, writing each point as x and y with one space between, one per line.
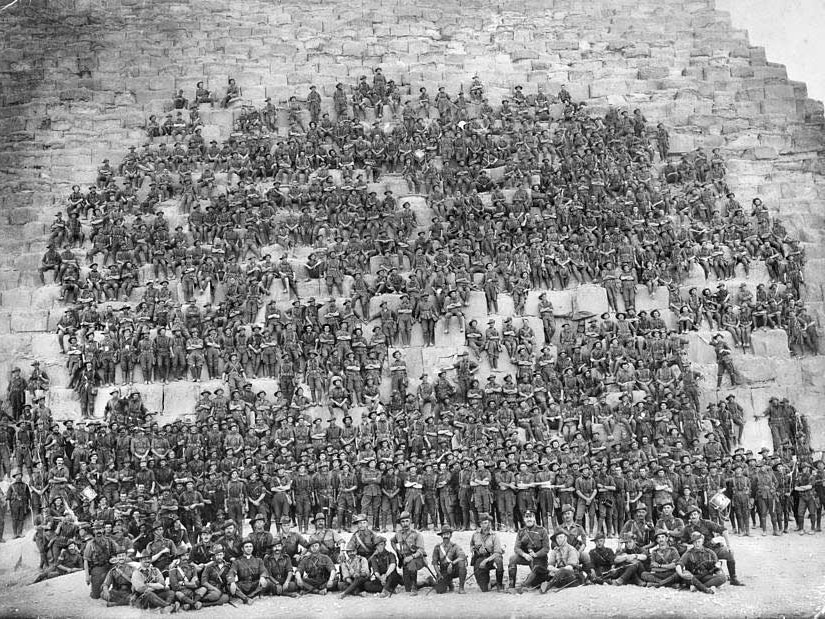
531 548
698 566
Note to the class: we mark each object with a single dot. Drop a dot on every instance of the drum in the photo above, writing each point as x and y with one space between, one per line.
420 155
720 502
89 494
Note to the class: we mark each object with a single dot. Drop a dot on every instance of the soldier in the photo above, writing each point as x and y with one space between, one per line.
363 540
531 548
69 560
355 573
330 540
149 588
408 545
487 554
708 529
214 579
698 566
280 571
260 537
449 562
563 564
19 498
663 561
99 550
161 549
248 576
316 571
183 580
117 586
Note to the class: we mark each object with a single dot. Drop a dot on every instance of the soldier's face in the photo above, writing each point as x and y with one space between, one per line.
530 520
405 523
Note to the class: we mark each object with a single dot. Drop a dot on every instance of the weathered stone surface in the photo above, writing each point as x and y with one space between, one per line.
772 343
590 299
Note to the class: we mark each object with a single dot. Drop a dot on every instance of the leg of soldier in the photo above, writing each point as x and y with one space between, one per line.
512 568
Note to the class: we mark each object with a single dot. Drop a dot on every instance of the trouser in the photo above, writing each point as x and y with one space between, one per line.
413 505
766 506
546 508
163 366
155 599
724 554
538 571
279 589
661 579
375 586
214 597
742 510
446 501
389 512
410 573
505 503
482 572
630 574
279 506
119 597
449 572
371 506
97 574
430 509
346 506
784 508
481 499
234 510
354 587
562 579
581 509
806 504
703 583
18 517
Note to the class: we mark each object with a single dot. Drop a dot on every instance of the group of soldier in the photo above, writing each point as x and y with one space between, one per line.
534 194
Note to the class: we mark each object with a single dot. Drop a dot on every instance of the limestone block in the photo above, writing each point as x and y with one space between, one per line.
590 298
772 343
34 320
9 278
605 87
477 307
754 369
453 340
681 143
179 398
58 373
658 301
64 403
44 347
17 297
44 297
812 369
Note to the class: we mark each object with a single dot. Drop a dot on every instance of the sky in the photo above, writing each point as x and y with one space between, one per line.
791 31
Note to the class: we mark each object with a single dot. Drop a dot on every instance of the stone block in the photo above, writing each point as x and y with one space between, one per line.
17 297
454 339
644 301
590 298
64 403
754 370
34 320
605 87
771 343
179 398
562 301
